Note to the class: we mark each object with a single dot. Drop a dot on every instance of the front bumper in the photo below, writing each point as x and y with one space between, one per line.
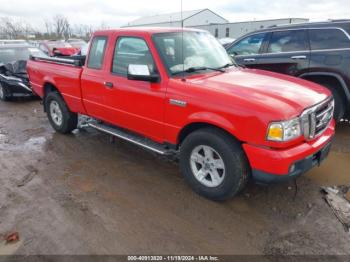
278 165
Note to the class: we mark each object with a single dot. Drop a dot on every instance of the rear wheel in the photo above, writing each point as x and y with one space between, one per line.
61 118
214 164
3 93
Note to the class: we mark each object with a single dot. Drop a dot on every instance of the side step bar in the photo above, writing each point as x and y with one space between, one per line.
132 138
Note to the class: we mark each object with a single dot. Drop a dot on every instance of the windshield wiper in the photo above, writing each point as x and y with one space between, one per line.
200 68
227 65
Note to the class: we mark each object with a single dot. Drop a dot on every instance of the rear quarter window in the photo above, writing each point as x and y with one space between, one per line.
321 39
97 51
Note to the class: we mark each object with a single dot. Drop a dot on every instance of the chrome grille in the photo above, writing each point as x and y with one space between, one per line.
316 119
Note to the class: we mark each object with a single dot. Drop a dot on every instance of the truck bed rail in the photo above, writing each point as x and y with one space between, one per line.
77 61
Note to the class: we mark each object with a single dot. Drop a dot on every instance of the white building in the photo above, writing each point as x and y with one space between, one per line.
235 30
208 20
188 19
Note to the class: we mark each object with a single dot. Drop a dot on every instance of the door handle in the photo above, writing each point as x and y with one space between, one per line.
108 84
299 57
249 60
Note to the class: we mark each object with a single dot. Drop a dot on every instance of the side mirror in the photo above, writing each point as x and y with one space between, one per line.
141 73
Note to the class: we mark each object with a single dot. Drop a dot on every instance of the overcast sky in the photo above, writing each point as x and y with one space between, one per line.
115 13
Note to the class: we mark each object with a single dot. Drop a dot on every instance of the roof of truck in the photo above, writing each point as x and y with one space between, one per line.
148 30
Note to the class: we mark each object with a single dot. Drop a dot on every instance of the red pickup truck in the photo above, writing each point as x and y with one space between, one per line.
173 91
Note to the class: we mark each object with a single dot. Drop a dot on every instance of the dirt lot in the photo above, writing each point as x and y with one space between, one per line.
80 194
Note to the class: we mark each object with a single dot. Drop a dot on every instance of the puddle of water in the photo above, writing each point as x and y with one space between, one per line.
35 143
9 249
334 171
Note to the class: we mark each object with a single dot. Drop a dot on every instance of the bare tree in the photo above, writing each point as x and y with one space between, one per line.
11 29
56 27
103 26
14 29
61 26
48 26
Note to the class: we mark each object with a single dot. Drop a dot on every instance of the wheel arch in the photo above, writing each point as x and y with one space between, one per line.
197 125
47 88
319 77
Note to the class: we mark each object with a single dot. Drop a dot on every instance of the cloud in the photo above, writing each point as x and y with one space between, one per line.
117 13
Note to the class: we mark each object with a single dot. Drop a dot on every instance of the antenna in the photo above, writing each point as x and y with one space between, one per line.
182 45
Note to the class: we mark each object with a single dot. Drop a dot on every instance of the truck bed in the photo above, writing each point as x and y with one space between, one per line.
60 73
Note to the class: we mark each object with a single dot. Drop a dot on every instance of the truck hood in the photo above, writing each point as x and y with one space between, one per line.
287 95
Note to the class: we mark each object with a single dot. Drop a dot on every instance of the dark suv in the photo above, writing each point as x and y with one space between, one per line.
318 52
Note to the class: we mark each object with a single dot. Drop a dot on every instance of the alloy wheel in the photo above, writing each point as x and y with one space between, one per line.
207 166
56 113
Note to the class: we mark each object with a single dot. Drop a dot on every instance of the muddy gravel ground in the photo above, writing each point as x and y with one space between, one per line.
81 194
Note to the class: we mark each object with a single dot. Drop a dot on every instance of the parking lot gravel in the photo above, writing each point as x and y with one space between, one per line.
81 194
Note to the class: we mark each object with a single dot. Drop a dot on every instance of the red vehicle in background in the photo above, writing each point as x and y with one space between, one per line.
57 48
178 92
76 43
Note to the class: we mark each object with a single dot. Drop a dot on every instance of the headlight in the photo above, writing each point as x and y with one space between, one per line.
284 131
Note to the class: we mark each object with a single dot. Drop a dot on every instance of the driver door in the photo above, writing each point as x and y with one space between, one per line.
246 52
133 104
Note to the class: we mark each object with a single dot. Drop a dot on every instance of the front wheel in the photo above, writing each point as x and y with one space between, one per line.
61 118
339 103
339 109
214 164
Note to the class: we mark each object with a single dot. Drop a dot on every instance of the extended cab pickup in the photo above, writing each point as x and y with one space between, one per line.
174 91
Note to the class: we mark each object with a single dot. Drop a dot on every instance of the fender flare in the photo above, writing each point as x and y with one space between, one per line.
337 76
50 81
208 118
47 81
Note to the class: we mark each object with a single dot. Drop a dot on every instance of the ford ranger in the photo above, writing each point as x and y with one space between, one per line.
175 91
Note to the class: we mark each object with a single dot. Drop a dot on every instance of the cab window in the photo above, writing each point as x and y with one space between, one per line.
288 41
97 52
131 50
250 45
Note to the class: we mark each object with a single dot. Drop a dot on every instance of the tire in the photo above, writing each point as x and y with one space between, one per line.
229 180
4 96
61 118
339 109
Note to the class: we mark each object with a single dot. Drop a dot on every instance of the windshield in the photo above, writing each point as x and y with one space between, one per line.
8 55
200 50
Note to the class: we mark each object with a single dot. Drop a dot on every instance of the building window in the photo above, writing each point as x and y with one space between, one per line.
227 32
216 32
